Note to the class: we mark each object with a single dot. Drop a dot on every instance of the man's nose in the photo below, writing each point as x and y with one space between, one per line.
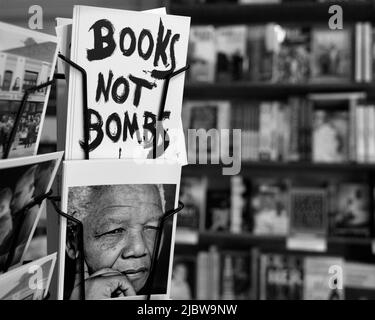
135 245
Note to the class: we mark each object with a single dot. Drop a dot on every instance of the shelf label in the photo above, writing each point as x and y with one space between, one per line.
307 243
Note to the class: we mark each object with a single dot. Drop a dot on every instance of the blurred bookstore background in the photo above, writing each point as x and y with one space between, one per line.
303 96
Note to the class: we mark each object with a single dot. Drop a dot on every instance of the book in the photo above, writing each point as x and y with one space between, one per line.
121 212
27 59
336 126
281 277
331 55
269 205
231 59
218 210
21 181
359 281
237 282
191 218
125 84
28 282
293 55
352 216
183 283
202 54
319 282
330 136
261 56
203 286
203 119
308 211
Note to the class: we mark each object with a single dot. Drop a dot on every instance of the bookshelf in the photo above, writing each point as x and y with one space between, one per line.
249 90
296 13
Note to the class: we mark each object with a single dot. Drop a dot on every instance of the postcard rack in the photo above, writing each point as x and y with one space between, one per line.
54 199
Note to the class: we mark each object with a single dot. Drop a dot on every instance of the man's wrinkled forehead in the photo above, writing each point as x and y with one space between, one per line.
128 195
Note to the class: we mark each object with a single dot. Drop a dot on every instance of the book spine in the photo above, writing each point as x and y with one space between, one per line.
367 52
214 272
202 276
293 154
352 130
358 52
371 133
360 134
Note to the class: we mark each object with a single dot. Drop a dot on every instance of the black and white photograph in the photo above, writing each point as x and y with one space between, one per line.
120 222
21 181
28 282
27 59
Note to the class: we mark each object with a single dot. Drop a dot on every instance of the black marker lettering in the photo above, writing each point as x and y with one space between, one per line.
127 31
138 89
100 51
120 98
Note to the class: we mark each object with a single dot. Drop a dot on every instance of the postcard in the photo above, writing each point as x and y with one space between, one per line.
121 212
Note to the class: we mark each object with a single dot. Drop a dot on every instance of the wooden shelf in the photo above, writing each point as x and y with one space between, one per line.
359 248
296 12
246 90
283 166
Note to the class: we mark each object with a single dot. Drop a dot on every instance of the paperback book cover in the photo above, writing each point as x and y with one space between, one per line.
183 284
121 212
204 116
127 56
202 54
21 181
359 281
308 212
269 206
319 282
218 210
331 55
28 282
27 59
293 56
231 52
352 217
281 277
193 195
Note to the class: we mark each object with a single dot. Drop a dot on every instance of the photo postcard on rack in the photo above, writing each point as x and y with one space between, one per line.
121 213
27 59
28 282
127 55
21 181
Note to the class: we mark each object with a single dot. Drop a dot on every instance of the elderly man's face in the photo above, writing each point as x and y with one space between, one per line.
120 234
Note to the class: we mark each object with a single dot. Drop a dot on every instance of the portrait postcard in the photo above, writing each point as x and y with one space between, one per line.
121 205
22 180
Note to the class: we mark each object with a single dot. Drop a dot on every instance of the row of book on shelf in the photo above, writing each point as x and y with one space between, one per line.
250 275
275 207
321 127
287 54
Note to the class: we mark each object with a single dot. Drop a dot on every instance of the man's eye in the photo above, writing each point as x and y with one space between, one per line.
114 231
149 227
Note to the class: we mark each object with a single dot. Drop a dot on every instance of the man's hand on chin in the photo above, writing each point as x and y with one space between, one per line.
105 284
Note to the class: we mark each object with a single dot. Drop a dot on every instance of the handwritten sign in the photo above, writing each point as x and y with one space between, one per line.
127 56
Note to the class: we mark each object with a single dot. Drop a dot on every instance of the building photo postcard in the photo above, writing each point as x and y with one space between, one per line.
120 204
27 59
21 181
